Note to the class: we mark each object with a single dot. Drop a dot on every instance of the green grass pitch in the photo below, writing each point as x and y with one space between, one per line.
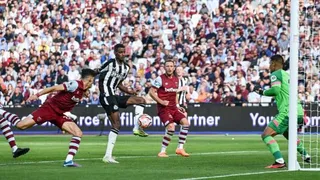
212 157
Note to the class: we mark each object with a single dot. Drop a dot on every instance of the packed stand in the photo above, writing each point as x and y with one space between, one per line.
224 48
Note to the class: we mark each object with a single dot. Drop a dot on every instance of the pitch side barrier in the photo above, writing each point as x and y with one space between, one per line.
203 118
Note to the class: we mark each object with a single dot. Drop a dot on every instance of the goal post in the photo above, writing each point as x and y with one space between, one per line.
293 92
307 62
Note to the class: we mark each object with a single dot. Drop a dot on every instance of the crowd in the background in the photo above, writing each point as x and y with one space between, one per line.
224 46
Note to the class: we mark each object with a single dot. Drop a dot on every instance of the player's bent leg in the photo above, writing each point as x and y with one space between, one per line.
166 139
25 123
184 129
267 137
72 128
125 101
137 131
300 148
112 138
8 134
136 100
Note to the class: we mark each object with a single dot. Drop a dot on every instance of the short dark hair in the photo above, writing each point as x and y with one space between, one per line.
87 72
277 59
117 47
169 59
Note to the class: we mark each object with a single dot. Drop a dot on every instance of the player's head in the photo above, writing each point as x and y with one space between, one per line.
169 67
179 71
87 75
276 63
119 51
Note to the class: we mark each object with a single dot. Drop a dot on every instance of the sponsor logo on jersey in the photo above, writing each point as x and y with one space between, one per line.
75 99
115 107
116 75
170 89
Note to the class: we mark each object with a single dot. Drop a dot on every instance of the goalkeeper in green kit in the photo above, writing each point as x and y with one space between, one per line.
279 125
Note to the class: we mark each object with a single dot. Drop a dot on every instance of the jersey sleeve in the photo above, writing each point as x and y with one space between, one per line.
70 86
275 79
104 66
157 83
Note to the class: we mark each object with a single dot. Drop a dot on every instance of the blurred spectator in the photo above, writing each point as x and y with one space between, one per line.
95 98
8 101
17 98
62 77
73 73
239 100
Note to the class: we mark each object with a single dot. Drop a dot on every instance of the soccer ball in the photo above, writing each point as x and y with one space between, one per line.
145 121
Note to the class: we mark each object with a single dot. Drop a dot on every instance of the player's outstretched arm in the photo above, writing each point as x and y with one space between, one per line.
275 86
102 67
273 91
60 87
154 96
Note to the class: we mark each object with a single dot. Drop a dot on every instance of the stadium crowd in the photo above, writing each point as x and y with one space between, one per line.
224 46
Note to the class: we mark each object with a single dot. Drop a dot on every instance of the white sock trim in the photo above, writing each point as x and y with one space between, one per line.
69 157
112 138
280 160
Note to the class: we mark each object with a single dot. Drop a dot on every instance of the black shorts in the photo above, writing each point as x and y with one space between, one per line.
112 103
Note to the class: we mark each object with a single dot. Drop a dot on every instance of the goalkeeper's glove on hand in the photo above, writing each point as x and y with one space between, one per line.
258 89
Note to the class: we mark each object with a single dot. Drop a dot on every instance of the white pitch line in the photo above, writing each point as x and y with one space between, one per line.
233 175
132 157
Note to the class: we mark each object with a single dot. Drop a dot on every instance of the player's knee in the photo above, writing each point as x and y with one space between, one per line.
21 125
185 114
78 133
170 127
116 125
185 122
263 135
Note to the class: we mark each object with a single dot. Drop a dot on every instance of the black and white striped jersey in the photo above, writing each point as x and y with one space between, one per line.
183 81
111 74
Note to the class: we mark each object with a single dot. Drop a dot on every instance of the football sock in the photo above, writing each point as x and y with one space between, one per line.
73 147
183 136
12 118
300 148
138 112
7 132
273 148
166 140
111 141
